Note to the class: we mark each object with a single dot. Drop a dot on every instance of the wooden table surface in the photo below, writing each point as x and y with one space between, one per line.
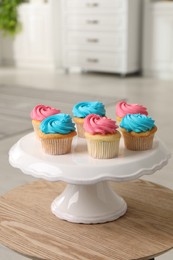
146 230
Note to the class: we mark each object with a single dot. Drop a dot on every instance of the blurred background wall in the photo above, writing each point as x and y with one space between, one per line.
116 36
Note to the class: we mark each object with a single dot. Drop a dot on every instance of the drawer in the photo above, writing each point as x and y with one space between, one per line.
94 6
95 61
96 23
95 41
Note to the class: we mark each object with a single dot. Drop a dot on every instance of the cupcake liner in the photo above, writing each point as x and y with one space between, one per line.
103 150
36 127
57 146
80 130
135 143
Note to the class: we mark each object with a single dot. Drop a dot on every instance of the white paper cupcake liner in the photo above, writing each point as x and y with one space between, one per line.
36 128
103 150
138 143
80 130
56 146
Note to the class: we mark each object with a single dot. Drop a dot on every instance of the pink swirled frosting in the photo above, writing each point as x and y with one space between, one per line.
123 108
40 112
95 124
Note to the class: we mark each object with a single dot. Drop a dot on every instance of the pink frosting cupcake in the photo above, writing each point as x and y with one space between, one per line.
39 113
102 137
123 108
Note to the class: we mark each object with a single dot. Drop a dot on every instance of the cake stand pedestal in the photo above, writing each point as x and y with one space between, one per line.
92 203
88 197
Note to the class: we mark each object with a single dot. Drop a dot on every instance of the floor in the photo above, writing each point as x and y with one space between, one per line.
155 94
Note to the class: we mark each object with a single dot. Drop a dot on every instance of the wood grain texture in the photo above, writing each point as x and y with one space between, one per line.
28 226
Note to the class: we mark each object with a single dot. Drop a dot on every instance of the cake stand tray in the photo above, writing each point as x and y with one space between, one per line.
88 197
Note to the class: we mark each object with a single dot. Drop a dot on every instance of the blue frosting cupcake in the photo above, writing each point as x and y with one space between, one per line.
56 134
83 109
137 123
58 123
138 131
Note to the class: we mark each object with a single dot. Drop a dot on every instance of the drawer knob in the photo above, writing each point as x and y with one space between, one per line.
92 21
92 40
92 60
92 5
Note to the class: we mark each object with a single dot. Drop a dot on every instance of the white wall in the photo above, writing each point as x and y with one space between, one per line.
158 39
38 44
0 48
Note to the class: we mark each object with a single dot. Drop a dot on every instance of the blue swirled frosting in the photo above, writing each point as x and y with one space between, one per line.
137 123
58 123
83 109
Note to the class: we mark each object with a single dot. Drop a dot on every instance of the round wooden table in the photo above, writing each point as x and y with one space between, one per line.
28 226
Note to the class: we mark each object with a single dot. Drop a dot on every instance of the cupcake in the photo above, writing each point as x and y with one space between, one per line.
123 108
138 132
39 113
56 134
83 109
102 137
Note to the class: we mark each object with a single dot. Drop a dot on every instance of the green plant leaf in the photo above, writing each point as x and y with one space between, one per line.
9 20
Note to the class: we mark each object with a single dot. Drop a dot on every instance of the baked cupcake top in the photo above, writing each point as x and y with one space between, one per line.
83 109
123 108
40 112
137 123
95 124
59 123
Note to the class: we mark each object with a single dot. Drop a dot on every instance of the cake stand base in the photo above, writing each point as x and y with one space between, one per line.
89 204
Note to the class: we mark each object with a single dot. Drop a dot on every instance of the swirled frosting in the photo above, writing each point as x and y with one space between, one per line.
59 123
40 112
137 123
83 109
123 108
95 124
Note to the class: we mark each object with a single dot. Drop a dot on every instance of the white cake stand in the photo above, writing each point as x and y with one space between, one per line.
87 198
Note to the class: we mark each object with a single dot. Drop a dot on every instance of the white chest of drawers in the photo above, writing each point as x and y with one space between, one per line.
101 35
